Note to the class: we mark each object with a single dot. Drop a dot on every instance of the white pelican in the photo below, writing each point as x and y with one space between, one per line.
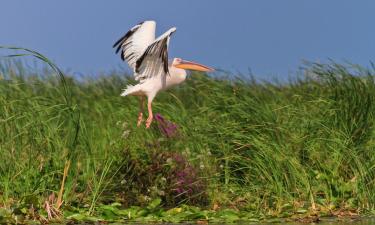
148 57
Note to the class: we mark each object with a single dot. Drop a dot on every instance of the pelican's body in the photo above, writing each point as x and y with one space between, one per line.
150 87
149 59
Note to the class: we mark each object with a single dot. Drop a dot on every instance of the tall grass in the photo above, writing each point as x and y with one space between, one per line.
256 146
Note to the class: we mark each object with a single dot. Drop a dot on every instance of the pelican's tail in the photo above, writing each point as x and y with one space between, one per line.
131 90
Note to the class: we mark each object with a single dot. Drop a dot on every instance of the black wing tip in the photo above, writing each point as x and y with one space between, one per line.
126 36
120 41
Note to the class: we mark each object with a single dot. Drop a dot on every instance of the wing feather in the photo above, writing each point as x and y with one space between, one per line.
135 41
154 59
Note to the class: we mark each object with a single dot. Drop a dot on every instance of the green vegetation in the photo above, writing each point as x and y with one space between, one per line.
241 149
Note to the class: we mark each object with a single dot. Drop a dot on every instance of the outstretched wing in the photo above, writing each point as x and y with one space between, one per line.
135 41
154 60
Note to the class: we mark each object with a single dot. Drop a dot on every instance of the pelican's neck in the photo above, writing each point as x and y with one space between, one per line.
176 76
177 72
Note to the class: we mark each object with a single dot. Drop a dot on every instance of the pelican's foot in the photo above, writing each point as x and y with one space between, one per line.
149 121
140 119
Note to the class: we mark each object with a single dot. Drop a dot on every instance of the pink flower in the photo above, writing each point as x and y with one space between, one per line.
167 128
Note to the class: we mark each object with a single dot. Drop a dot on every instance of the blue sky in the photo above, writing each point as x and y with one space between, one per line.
272 38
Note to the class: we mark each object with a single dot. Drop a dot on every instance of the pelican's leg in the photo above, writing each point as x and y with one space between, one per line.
140 114
150 116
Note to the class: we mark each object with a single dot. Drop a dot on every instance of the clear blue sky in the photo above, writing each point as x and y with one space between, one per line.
270 37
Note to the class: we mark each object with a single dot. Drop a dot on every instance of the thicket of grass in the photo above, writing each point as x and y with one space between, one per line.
261 147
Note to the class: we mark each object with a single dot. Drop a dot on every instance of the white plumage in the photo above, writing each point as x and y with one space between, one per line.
148 57
135 42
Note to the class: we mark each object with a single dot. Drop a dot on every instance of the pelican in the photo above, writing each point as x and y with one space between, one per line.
148 57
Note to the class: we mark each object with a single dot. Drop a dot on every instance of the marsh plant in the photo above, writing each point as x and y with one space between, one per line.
265 148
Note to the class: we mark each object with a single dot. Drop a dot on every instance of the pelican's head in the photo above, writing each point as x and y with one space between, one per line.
187 65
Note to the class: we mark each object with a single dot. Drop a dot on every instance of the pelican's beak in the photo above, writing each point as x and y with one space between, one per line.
187 65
